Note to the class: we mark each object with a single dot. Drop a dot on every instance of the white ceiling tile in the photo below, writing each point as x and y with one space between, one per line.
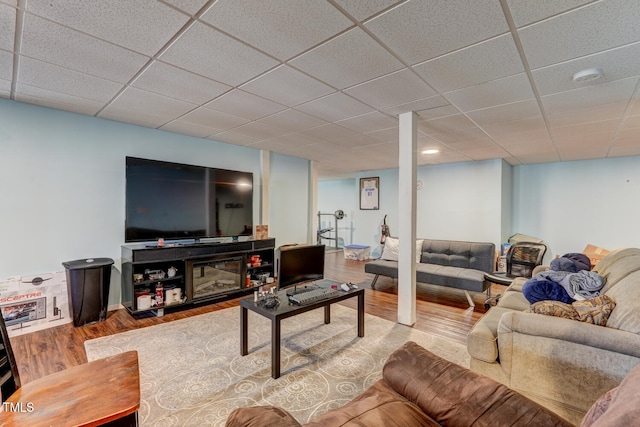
586 132
598 26
631 122
496 92
524 125
188 6
293 120
176 83
627 137
329 132
259 131
616 64
364 9
191 129
63 80
5 88
298 139
287 86
506 113
357 141
483 62
334 107
589 114
79 51
390 135
232 137
533 138
624 150
569 154
401 87
347 60
216 120
526 12
59 100
431 107
418 41
437 111
7 27
6 65
451 123
150 108
244 104
142 25
589 96
369 122
212 54
281 28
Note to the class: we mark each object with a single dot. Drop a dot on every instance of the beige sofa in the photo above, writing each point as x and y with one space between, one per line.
563 364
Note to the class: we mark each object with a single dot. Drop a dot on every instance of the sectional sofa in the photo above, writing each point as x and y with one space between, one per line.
561 363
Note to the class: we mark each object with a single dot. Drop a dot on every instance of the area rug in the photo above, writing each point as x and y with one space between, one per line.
192 374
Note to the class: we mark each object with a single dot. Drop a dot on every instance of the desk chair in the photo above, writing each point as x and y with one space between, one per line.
102 392
522 258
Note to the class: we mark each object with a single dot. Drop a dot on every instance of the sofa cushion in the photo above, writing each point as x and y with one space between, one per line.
453 277
261 416
617 265
482 340
474 255
379 405
382 267
626 294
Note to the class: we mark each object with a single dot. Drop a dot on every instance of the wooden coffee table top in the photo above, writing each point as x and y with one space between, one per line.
86 395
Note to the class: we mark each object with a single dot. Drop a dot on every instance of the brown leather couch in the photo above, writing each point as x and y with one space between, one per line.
419 388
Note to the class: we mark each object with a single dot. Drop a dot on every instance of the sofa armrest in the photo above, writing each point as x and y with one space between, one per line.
258 416
455 396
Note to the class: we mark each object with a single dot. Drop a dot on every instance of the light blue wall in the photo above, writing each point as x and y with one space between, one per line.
572 204
457 201
568 204
62 185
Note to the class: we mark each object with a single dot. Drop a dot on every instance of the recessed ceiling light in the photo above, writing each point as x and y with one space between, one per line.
430 151
587 75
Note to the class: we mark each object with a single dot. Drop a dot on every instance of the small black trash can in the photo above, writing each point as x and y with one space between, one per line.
88 281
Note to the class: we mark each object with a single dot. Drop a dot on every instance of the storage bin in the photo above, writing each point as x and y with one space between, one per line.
356 252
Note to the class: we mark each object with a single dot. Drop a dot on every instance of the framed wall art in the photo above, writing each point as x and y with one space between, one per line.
370 193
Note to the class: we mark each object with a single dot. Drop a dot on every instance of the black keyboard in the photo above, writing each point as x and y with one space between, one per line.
313 295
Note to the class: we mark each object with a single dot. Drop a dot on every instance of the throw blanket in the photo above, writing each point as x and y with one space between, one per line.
572 262
563 286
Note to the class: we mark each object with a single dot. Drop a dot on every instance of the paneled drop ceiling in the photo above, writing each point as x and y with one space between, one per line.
326 79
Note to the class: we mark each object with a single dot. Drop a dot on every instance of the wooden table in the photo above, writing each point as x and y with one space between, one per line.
285 310
91 394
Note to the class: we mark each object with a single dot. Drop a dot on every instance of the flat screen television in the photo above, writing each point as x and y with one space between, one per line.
300 264
177 201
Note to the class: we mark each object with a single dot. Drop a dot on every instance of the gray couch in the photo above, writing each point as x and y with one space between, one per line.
561 363
450 263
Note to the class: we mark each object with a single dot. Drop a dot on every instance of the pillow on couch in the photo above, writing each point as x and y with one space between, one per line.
391 248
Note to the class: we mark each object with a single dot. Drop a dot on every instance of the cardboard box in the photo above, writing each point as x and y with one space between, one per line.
594 253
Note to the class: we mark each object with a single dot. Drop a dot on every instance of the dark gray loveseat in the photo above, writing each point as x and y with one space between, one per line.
450 263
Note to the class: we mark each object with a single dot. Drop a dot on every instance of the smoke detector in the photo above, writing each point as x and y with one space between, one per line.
587 75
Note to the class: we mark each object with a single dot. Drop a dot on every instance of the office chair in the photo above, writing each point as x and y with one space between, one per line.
522 258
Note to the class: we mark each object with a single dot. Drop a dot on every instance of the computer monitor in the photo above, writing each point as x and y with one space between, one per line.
299 264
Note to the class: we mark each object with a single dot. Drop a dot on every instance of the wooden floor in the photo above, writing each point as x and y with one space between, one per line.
440 311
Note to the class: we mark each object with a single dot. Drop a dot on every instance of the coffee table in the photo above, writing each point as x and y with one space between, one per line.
285 310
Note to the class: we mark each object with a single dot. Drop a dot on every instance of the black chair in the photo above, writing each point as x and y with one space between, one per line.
522 258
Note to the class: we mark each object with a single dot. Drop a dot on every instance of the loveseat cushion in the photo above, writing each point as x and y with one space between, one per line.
626 294
458 397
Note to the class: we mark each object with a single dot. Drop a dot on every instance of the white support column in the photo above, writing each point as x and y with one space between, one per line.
265 175
313 202
407 218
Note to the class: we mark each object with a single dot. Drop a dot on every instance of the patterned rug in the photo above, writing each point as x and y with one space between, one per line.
192 374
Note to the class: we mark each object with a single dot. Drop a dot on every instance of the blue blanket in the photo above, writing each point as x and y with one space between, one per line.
540 289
